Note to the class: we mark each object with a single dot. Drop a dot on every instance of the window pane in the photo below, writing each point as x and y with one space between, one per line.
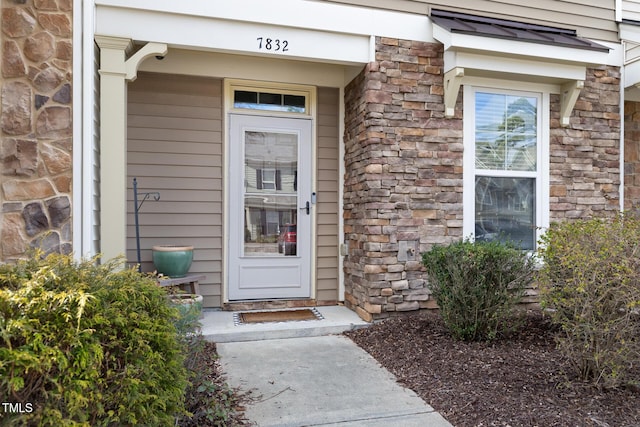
505 210
268 179
506 132
270 191
490 150
295 101
270 98
244 97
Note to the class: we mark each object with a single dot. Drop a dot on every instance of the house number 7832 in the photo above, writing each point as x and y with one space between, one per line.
274 45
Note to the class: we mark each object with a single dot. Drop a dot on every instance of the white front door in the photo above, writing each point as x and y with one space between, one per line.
269 207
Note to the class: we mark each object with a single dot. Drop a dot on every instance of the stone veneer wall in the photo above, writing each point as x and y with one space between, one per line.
585 157
631 155
403 170
36 128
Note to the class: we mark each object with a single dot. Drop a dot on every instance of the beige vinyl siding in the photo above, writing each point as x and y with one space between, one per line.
175 148
631 10
593 19
328 216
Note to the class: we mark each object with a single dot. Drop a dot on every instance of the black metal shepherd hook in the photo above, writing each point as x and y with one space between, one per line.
156 197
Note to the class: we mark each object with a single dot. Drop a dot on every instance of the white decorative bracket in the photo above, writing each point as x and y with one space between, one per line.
132 64
452 83
570 93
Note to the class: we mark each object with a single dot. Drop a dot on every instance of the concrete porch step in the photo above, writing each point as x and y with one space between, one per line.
219 326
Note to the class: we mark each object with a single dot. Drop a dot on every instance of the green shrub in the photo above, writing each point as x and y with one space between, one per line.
477 285
590 281
87 345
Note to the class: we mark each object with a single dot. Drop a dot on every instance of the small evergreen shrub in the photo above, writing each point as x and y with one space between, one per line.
477 285
590 283
87 345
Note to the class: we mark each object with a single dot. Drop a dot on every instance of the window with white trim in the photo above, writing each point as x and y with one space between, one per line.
505 165
268 179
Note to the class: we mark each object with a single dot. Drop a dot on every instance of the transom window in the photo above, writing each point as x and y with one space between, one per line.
270 101
504 169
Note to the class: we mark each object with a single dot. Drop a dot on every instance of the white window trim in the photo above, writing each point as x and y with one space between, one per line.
469 169
270 182
233 85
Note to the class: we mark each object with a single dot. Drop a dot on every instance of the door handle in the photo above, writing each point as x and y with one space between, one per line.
306 207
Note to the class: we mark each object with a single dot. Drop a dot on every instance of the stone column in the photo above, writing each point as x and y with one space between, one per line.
403 177
113 145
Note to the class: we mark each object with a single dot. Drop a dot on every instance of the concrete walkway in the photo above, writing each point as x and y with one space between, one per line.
313 378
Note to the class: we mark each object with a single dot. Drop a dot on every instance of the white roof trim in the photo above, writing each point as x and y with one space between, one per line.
313 31
220 35
307 14
564 68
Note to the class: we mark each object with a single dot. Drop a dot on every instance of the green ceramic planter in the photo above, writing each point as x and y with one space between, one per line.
172 261
189 306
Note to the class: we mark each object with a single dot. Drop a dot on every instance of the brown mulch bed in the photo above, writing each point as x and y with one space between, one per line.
520 380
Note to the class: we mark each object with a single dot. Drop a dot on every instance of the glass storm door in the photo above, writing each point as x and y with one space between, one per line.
269 208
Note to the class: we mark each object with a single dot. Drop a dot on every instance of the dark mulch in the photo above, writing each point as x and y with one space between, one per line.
521 380
211 401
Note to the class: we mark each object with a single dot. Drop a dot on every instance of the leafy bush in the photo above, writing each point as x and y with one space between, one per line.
87 344
477 285
590 281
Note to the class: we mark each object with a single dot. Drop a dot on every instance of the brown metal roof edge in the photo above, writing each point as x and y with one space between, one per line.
463 23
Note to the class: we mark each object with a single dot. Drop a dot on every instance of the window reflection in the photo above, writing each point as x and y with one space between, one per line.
270 193
505 210
506 132
506 146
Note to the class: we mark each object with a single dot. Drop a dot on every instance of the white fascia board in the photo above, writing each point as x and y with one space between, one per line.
314 15
205 33
497 46
507 64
